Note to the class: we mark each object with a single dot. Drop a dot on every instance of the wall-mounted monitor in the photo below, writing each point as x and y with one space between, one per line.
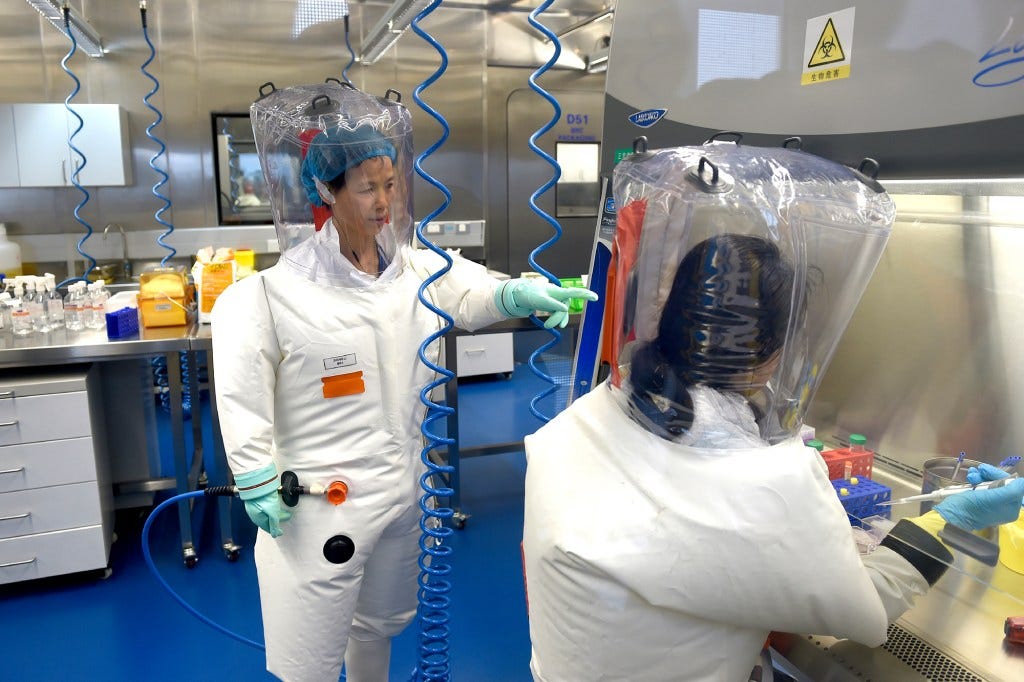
242 197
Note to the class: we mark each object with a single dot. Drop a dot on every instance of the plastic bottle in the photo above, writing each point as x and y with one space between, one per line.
73 303
10 254
5 311
34 304
98 295
88 315
816 444
54 303
21 318
857 443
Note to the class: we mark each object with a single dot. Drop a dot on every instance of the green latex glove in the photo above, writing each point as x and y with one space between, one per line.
521 297
258 491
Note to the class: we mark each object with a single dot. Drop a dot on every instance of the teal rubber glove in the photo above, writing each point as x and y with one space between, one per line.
258 491
977 509
521 297
984 472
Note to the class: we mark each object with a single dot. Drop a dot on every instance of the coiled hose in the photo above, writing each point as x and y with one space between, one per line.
149 133
348 44
78 166
554 333
160 381
159 363
434 562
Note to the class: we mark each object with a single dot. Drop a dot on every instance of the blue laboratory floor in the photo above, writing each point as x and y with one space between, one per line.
127 628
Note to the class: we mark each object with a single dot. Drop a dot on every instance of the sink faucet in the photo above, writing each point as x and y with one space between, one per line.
126 265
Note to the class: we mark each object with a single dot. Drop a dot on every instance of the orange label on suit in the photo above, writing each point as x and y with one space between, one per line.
343 384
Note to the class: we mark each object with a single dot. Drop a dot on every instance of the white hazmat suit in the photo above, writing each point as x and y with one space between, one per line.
317 373
673 517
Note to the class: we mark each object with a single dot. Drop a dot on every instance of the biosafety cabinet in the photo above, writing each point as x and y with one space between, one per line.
56 510
931 363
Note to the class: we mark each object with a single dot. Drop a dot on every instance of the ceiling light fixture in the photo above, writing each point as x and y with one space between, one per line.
390 28
88 39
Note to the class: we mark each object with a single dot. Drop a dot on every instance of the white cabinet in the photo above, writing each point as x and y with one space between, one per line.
44 158
8 150
56 510
484 354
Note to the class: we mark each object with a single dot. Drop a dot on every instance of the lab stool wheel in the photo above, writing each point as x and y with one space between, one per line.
231 551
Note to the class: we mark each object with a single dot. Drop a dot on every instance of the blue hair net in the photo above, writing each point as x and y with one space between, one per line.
333 152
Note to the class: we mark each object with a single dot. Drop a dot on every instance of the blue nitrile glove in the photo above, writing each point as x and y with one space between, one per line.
977 509
258 491
984 472
521 297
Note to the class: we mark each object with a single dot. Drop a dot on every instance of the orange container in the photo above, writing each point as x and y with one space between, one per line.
162 298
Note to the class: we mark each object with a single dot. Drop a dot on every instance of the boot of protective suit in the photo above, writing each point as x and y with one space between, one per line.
367 661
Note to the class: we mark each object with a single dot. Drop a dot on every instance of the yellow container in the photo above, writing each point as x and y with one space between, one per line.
1011 545
162 298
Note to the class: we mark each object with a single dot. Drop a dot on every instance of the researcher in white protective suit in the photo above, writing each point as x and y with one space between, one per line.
673 515
317 373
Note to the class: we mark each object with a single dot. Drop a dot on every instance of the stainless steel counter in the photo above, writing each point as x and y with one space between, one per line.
62 346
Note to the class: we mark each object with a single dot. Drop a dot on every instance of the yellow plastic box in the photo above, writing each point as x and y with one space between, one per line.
162 298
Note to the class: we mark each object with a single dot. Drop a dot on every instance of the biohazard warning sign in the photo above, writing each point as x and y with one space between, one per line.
828 50
828 47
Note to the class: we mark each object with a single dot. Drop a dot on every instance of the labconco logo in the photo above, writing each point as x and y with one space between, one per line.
647 118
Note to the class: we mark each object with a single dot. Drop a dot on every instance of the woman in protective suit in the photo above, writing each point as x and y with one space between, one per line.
673 516
317 373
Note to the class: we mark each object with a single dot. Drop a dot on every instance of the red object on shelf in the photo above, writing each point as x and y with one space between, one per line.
861 462
1014 629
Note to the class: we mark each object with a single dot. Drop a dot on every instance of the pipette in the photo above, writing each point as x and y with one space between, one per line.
943 493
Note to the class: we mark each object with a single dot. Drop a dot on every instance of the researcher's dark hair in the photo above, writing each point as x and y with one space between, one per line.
726 315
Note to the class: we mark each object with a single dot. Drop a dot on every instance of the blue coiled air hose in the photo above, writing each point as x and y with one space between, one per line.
163 148
159 363
434 563
555 335
77 151
348 45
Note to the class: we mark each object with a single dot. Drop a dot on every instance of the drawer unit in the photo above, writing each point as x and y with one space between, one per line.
33 418
56 507
48 509
55 462
484 354
42 555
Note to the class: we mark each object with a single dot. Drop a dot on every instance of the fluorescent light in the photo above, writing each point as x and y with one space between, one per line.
88 39
312 12
597 61
390 28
